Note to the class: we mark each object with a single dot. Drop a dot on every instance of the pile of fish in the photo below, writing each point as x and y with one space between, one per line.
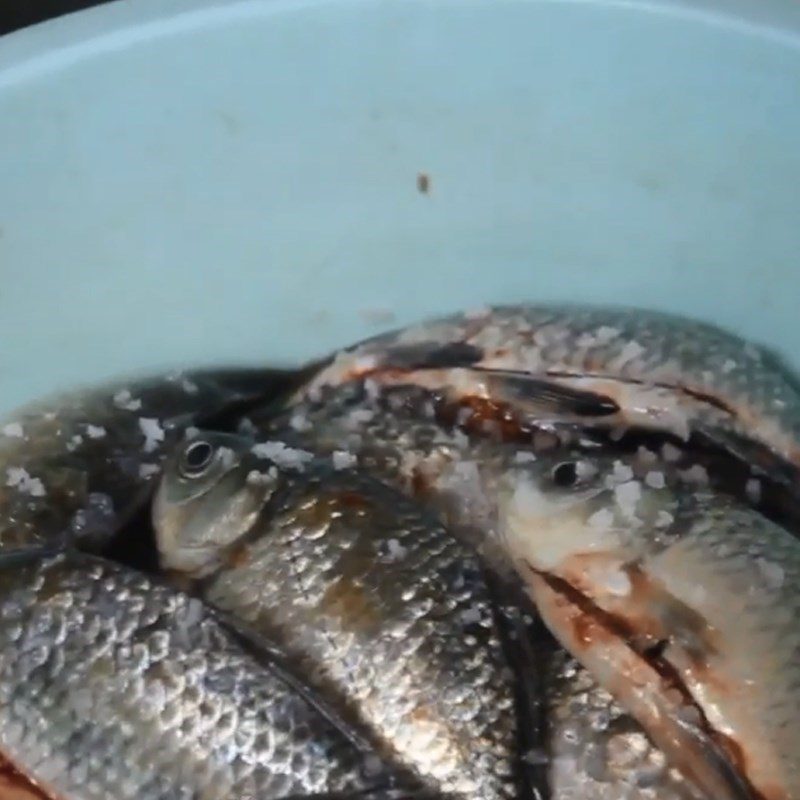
523 553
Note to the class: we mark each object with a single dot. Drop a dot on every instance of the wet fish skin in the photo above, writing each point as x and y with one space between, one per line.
114 686
708 582
596 751
661 371
470 481
77 465
386 610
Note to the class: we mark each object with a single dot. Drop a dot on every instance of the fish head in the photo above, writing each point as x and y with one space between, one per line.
208 498
568 510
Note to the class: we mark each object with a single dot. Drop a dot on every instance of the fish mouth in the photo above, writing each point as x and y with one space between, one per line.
634 670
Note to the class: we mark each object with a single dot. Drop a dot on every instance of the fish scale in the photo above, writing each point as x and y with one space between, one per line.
78 464
658 370
466 479
377 602
114 686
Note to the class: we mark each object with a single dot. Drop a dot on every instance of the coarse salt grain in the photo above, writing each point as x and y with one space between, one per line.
772 573
524 457
627 496
124 400
728 366
282 455
152 431
300 423
13 430
396 551
664 519
95 431
655 479
257 478
22 481
646 456
343 460
622 472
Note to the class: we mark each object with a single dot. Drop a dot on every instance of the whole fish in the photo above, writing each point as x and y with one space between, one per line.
114 686
613 368
76 466
685 605
725 708
378 602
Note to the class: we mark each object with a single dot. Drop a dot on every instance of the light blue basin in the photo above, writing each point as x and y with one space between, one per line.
199 182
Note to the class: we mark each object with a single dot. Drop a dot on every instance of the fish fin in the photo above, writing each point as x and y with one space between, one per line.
430 355
524 636
759 458
540 394
241 392
275 658
24 555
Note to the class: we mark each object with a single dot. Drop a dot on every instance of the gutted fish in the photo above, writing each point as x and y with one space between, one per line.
113 686
605 367
684 605
683 602
595 749
77 465
378 602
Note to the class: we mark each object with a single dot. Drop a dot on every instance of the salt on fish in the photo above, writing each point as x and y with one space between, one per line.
125 401
95 431
20 479
282 454
696 474
74 443
300 423
627 496
343 460
14 430
152 431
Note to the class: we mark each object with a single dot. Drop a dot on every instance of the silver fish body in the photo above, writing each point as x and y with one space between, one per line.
113 686
597 751
684 562
612 368
75 466
378 602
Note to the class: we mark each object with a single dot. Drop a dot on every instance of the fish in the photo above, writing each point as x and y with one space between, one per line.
724 708
379 604
684 604
595 749
113 685
608 368
75 467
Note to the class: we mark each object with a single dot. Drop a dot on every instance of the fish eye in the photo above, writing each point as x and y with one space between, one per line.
196 459
565 474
